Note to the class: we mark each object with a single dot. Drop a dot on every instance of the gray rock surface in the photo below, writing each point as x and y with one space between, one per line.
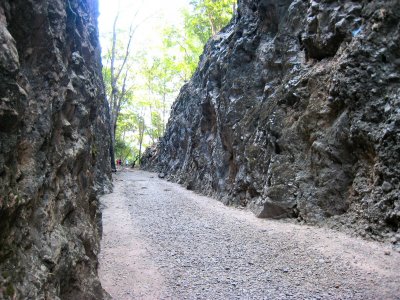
294 111
54 141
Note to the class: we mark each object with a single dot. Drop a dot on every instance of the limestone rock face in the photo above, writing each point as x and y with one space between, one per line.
294 111
54 141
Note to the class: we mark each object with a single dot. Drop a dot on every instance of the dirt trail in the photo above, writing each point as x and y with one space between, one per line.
164 242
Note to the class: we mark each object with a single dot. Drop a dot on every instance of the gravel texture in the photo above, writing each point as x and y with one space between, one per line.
162 241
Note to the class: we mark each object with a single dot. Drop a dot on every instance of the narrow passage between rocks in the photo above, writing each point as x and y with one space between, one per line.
161 241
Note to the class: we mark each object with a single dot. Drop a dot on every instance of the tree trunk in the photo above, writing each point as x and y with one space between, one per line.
112 153
141 136
116 96
212 24
140 153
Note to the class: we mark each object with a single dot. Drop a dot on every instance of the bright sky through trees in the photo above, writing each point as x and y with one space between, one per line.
150 48
155 13
150 18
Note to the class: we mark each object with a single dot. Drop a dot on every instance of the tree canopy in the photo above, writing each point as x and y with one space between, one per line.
141 83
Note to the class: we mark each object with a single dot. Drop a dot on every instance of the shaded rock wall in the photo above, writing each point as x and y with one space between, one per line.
54 141
294 111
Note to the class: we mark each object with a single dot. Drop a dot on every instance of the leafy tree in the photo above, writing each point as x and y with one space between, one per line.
140 135
155 130
131 129
123 150
161 85
208 17
189 47
202 21
116 77
127 124
140 86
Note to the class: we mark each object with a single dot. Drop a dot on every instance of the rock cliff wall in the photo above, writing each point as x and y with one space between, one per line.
54 138
294 111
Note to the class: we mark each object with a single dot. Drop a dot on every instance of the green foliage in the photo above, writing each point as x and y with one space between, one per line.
107 79
150 79
127 122
189 47
208 17
202 21
155 131
123 150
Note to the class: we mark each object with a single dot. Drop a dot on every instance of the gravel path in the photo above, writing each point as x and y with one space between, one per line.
164 242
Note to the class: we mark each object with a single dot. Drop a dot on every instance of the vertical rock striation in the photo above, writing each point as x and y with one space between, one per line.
54 141
294 111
